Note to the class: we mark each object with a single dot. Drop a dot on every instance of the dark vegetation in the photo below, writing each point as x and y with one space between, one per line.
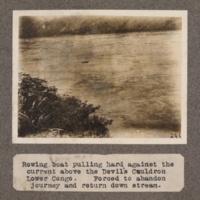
42 109
31 27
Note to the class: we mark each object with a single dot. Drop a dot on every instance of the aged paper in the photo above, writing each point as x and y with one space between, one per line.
100 77
99 173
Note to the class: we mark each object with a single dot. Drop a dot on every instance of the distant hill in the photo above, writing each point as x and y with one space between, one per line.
55 26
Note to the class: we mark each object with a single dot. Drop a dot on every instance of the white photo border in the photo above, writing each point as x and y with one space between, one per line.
153 13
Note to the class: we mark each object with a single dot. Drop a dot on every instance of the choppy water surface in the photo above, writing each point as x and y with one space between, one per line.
134 77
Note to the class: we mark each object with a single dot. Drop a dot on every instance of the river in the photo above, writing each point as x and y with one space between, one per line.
134 77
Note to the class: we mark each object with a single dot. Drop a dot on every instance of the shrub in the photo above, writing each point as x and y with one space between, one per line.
41 108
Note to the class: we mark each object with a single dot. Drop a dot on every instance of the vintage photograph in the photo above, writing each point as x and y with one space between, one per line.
100 77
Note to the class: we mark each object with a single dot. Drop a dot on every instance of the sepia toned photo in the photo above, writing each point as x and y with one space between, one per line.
100 77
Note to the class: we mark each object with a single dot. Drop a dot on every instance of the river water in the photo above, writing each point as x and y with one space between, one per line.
134 77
